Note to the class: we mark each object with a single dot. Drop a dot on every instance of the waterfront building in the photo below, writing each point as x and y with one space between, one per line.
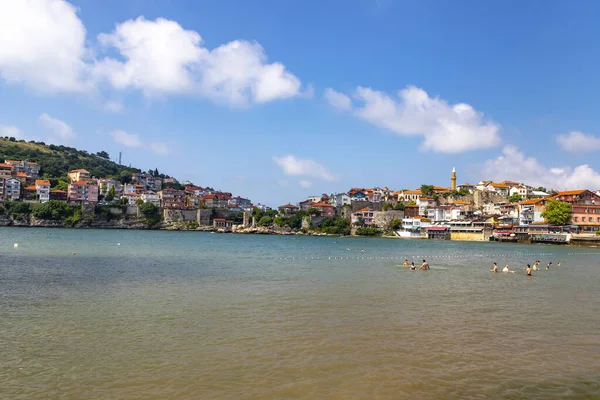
365 213
326 209
82 192
172 198
42 190
288 209
12 189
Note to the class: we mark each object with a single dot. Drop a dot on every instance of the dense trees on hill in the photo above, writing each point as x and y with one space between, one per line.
56 161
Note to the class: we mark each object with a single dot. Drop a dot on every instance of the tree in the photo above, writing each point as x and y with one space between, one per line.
265 221
111 194
103 154
279 221
151 212
139 202
156 174
314 211
513 198
125 177
360 222
271 213
557 212
399 206
541 189
387 207
396 224
427 190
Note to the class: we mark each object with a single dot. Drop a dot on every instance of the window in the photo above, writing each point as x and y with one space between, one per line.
575 219
590 219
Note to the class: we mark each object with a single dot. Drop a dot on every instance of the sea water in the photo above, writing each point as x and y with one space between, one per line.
191 315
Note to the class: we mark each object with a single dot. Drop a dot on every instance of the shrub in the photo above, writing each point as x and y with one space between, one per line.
152 213
368 232
265 221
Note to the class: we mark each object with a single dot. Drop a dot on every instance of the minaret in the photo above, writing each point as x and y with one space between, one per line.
453 179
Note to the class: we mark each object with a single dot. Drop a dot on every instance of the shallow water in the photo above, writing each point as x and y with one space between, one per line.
189 315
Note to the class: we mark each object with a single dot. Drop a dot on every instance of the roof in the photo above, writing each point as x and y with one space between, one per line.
321 204
131 194
437 228
569 193
467 185
57 191
21 174
288 206
363 210
418 191
210 197
499 185
79 183
2 165
13 161
530 201
426 199
79 170
461 203
220 219
41 182
30 188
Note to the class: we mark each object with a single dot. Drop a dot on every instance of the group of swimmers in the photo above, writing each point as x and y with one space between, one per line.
413 267
528 269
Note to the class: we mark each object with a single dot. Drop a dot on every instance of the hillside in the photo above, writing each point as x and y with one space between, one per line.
56 161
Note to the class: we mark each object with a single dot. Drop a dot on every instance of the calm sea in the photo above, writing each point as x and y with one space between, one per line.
189 315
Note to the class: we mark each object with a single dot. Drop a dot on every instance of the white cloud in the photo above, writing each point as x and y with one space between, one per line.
10 131
445 128
59 130
305 184
514 165
297 167
338 100
133 140
43 45
577 142
114 106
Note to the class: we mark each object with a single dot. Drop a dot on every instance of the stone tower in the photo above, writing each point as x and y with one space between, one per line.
453 179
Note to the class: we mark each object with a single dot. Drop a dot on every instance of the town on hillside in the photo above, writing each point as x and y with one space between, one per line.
487 210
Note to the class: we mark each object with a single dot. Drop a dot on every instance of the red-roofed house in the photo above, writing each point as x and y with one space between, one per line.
172 198
30 193
288 209
78 175
327 210
30 169
214 200
5 171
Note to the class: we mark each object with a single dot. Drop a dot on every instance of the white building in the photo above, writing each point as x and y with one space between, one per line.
42 188
520 190
499 188
149 196
131 198
424 203
340 199
409 195
12 189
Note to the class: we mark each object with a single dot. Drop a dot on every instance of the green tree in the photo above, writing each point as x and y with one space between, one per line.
279 221
139 202
427 190
557 212
360 222
152 213
314 211
103 154
399 206
271 213
265 221
513 198
387 207
111 194
541 189
396 224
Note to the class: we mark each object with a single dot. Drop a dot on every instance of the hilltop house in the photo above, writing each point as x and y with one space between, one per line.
105 184
499 188
239 202
131 198
150 196
214 201
79 175
340 199
466 186
409 195
424 203
30 169
521 190
5 171
288 209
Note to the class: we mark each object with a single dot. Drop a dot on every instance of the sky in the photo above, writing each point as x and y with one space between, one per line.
278 100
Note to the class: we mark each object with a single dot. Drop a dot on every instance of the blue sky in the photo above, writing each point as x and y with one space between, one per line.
315 96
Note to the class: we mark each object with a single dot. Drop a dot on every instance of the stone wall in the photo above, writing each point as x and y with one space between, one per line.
170 215
383 219
204 217
468 236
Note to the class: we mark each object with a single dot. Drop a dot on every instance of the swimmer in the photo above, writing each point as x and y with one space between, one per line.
505 269
406 263
413 266
349 249
528 270
362 250
494 268
424 266
558 265
549 265
535 268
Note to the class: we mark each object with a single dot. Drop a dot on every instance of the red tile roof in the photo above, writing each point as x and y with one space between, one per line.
41 182
79 170
288 206
316 205
30 188
57 191
2 165
22 174
79 183
363 210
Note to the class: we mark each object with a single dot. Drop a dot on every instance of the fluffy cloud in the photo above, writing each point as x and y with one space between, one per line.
133 140
514 165
305 184
60 131
10 131
445 128
577 142
298 167
114 106
43 45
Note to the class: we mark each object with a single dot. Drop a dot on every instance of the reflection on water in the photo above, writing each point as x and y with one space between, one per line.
186 315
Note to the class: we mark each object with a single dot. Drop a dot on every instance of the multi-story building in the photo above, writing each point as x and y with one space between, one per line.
12 189
30 169
521 190
5 171
214 201
366 214
78 175
326 209
585 208
424 203
43 190
239 201
82 192
60 195
172 198
149 196
131 198
2 188
105 184
405 196
288 209
30 193
340 199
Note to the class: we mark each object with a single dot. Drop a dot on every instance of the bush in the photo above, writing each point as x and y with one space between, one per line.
152 213
279 221
368 232
265 221
335 226
53 210
17 207
396 224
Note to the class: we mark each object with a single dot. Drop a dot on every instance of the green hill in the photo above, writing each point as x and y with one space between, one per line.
56 161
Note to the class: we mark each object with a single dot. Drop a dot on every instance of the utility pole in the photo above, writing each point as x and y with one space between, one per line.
119 158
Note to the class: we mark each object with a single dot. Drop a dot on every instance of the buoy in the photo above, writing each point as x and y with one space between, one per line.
16 245
74 253
118 244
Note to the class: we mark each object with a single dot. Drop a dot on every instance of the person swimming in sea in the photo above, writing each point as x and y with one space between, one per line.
506 269
406 263
558 265
413 266
549 265
424 266
494 268
535 264
528 270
